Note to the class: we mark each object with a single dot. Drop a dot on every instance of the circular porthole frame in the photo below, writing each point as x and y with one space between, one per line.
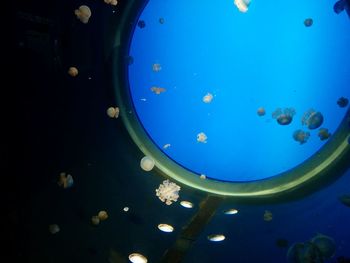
322 168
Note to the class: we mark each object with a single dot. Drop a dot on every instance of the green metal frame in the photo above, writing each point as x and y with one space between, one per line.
322 168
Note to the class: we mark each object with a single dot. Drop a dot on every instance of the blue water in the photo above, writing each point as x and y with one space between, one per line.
266 58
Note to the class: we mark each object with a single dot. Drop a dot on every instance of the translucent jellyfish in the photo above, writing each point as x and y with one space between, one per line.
141 24
208 98
147 163
95 220
312 119
342 102
102 215
65 181
168 192
203 176
83 13
324 134
325 245
161 20
113 112
166 146
53 229
301 136
111 2
73 71
261 111
267 215
304 253
242 5
201 137
156 67
157 90
308 22
283 116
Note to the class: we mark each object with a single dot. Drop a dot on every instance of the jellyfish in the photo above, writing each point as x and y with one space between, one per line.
242 5
147 163
340 5
166 146
312 119
156 67
83 13
111 2
301 136
342 102
141 24
102 215
161 20
308 22
158 90
65 181
95 220
73 71
54 228
324 134
201 137
261 111
325 244
208 98
113 112
267 215
304 253
283 116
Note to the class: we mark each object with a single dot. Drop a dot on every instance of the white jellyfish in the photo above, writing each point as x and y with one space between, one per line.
201 137
208 98
83 13
147 163
242 5
156 67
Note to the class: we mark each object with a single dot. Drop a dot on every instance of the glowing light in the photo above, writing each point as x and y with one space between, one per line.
137 258
186 204
231 212
165 228
216 237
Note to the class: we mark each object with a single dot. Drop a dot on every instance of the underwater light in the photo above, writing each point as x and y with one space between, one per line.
186 204
137 258
231 212
216 237
165 228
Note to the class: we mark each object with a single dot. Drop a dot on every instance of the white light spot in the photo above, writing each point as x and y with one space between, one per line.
137 258
186 204
165 228
216 238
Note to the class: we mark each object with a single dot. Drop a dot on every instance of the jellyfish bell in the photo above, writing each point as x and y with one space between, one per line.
342 102
83 13
283 116
308 22
242 5
325 244
73 71
141 24
324 134
147 163
301 136
261 111
312 119
342 5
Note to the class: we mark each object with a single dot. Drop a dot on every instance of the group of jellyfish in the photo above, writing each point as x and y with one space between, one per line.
312 119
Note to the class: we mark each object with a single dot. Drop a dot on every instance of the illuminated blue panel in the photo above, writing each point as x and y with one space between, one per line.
265 57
